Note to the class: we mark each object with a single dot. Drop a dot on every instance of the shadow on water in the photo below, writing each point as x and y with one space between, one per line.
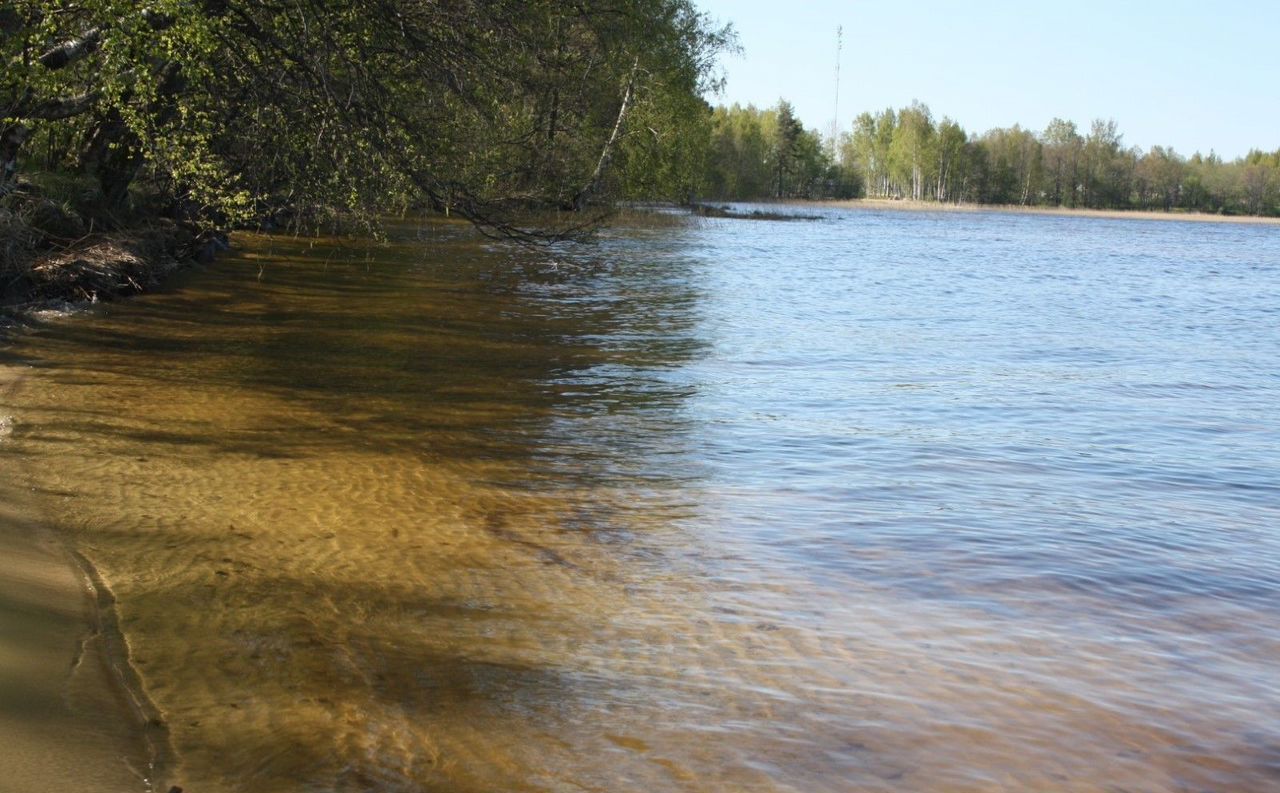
470 355
336 665
503 366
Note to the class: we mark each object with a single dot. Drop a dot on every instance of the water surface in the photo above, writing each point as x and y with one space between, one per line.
886 501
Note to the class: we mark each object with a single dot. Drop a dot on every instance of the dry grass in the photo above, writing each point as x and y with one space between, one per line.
103 268
33 222
18 242
48 254
59 244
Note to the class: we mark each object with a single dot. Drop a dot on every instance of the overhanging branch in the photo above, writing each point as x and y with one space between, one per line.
71 51
64 107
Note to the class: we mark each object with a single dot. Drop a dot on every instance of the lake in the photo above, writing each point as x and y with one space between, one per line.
881 501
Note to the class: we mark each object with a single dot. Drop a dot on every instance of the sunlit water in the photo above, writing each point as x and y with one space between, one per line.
885 501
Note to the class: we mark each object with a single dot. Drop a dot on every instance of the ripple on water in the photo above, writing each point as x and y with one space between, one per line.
881 502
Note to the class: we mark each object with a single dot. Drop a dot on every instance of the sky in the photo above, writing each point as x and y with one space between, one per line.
1196 76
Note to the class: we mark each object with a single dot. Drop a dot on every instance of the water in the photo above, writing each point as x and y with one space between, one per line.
885 501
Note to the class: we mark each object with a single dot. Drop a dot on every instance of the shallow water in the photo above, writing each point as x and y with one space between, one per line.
887 501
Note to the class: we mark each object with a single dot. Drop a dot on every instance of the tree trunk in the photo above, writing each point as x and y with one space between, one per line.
606 154
114 158
11 139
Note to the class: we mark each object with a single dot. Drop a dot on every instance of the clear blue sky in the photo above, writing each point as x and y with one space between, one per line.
1192 75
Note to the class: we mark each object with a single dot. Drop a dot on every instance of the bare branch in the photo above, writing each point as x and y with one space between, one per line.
64 107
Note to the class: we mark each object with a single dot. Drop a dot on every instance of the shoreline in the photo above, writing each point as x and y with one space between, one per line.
69 718
53 255
1014 209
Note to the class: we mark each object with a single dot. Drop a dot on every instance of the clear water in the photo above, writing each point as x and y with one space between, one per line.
885 501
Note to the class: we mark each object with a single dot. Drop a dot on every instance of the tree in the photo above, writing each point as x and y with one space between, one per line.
1062 146
897 153
811 166
1014 165
1158 178
484 107
867 150
740 151
1104 166
786 148
1256 186
911 154
951 163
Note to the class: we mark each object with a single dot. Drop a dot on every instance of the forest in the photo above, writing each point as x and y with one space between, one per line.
234 112
908 154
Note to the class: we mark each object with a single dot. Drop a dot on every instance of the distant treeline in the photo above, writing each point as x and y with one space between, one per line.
908 154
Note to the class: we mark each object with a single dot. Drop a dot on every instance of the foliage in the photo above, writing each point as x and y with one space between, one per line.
757 153
905 154
244 109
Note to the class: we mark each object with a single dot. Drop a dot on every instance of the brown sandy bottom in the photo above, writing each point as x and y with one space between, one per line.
66 722
318 598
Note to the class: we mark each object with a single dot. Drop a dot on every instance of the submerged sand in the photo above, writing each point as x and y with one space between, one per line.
369 531
65 720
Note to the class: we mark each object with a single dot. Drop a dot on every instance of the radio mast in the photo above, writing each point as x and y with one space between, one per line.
835 118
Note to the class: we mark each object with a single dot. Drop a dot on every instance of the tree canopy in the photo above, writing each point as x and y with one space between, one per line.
754 153
905 153
240 108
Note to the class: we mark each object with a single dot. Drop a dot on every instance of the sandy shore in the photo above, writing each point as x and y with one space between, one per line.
65 723
930 206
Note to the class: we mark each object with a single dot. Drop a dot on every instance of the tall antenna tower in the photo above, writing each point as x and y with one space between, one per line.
835 118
